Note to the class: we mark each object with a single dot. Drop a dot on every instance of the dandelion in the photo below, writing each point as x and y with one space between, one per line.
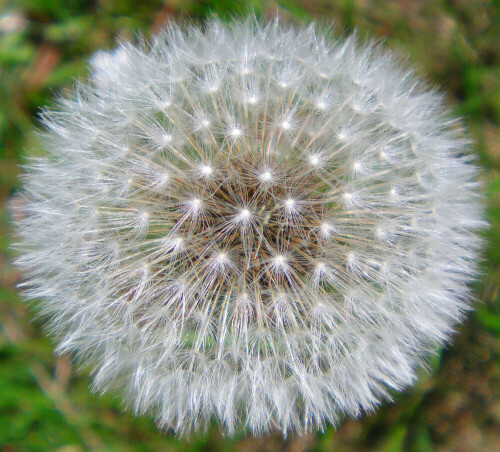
253 223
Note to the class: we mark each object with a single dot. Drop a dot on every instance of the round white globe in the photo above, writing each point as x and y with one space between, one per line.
255 223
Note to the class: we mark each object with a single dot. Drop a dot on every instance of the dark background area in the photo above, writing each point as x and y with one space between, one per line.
45 405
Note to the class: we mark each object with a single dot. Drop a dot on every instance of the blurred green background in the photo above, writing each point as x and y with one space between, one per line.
46 406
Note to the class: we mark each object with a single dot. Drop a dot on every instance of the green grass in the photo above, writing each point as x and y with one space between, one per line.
45 405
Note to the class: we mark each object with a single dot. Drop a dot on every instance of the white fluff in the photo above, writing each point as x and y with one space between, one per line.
250 222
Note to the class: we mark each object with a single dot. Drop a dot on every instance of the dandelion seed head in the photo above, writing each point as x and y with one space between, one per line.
250 223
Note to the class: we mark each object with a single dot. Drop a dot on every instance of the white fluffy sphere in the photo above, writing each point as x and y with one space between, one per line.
253 223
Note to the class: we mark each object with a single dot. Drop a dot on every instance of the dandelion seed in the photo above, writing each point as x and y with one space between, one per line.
326 229
206 170
285 125
207 264
235 132
266 176
290 204
314 159
244 215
